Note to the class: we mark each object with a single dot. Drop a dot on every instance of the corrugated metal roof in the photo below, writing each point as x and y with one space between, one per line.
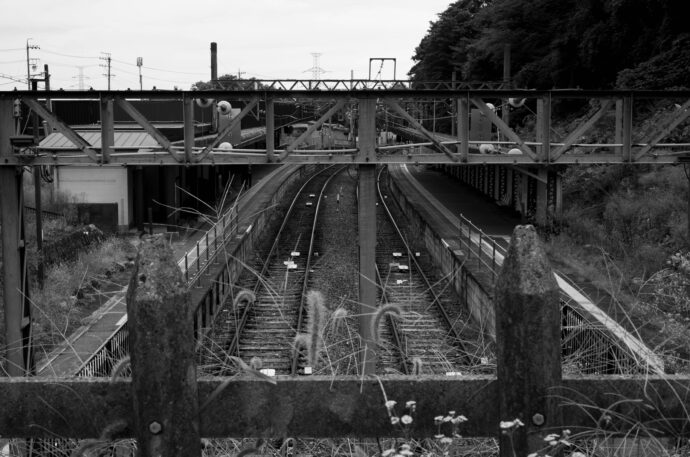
125 139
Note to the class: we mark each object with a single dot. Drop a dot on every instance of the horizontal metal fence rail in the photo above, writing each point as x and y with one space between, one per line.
203 254
102 361
587 347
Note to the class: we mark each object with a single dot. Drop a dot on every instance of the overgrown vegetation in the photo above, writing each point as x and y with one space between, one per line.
560 43
74 290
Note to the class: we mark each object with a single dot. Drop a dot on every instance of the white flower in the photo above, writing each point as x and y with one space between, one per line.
405 447
410 404
406 419
447 419
459 419
390 404
551 437
553 443
533 454
515 423
452 413
446 440
577 454
406 453
387 452
438 419
438 437
395 420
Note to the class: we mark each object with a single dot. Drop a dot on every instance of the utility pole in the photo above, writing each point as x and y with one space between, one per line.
453 118
140 62
28 60
505 112
108 59
46 80
214 79
240 73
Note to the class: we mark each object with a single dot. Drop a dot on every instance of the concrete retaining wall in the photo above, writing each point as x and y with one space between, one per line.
218 286
451 261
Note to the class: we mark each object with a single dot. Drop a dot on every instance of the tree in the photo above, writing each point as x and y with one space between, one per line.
227 81
595 44
444 48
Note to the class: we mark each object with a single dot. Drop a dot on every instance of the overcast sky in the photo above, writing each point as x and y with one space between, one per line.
264 39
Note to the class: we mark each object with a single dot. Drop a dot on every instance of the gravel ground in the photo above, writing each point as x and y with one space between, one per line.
336 271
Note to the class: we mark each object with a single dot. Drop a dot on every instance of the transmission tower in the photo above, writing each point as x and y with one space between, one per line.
80 78
316 70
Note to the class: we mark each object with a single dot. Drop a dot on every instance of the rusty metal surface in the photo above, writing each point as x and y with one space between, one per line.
326 407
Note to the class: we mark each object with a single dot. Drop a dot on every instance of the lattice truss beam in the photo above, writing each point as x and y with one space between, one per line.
604 134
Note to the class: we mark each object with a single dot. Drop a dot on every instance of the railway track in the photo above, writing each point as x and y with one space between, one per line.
265 326
431 334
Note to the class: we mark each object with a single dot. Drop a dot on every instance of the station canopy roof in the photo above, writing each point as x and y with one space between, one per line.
124 140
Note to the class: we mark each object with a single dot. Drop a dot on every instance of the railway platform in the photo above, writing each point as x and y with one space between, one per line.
68 358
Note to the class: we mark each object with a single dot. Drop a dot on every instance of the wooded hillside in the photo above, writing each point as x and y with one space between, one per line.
590 44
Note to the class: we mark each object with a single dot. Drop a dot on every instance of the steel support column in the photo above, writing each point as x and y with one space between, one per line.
544 128
107 129
554 193
366 129
15 286
367 232
367 264
464 127
188 117
270 129
542 197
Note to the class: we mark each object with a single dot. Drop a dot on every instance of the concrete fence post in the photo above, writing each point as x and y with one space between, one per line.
164 386
528 342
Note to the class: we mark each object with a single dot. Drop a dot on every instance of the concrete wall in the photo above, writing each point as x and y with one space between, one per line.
475 294
220 285
97 185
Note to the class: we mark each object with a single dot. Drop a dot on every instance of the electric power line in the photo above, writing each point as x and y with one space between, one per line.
69 55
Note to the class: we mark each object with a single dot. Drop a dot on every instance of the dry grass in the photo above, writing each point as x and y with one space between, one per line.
73 291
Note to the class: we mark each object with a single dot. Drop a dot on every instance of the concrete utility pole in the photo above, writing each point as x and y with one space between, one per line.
505 112
28 61
108 60
214 78
140 62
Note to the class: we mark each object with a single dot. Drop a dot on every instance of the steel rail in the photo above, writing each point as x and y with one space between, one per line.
233 347
300 312
394 326
436 298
